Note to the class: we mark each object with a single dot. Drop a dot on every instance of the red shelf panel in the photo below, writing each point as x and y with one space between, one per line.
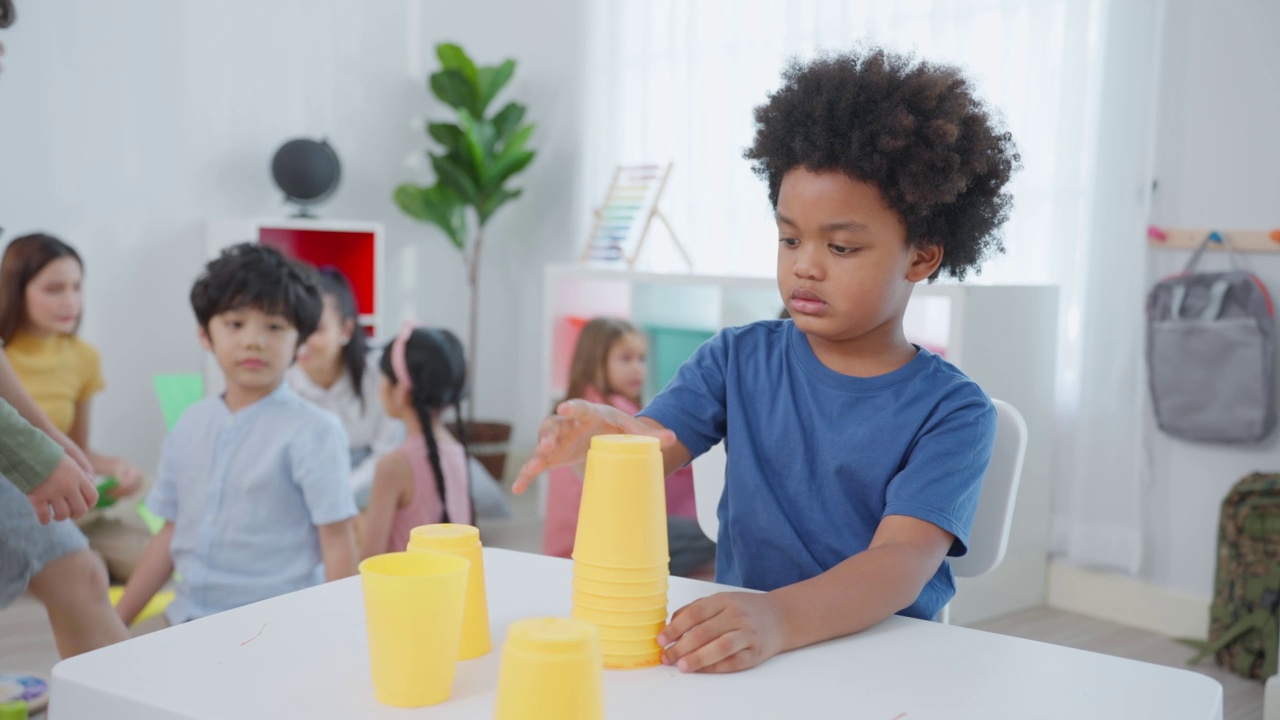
352 252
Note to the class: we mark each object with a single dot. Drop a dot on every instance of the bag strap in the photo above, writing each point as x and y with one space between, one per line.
1217 237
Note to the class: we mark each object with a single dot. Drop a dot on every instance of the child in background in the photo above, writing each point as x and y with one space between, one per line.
854 458
335 371
609 366
41 305
424 373
253 483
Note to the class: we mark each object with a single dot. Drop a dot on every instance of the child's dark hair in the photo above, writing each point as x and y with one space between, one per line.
256 276
7 13
356 352
915 130
437 368
24 258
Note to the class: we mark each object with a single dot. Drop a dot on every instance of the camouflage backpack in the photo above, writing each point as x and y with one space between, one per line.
1243 628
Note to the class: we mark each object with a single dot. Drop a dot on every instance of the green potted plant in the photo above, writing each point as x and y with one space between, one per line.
474 157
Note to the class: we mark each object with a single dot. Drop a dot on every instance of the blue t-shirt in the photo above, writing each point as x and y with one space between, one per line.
246 492
817 458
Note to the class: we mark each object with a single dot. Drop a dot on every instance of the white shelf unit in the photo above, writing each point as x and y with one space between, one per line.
1004 337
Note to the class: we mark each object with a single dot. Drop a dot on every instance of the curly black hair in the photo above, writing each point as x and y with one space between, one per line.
915 130
256 276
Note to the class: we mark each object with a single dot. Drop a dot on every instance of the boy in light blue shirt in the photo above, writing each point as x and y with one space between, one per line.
855 459
252 483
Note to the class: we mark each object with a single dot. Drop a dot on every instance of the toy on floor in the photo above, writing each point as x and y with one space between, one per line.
17 689
155 607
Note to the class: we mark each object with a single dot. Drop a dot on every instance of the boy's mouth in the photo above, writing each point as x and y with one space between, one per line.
807 302
252 364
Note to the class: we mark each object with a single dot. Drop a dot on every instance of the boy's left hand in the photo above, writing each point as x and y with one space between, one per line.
726 632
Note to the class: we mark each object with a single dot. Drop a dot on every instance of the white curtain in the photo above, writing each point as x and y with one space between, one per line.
677 80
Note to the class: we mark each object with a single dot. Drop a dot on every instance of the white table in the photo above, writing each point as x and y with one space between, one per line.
304 655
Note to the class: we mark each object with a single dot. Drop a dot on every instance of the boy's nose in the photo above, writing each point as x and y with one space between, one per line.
808 264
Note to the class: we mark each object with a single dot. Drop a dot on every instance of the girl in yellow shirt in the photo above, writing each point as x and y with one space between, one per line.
40 307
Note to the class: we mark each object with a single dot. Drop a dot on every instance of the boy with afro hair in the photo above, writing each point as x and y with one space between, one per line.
855 459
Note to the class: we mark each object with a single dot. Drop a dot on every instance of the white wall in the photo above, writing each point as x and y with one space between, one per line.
124 125
1217 165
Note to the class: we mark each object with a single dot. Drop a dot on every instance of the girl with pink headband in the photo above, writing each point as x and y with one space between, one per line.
425 480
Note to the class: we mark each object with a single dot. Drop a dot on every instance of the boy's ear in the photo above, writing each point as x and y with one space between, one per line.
205 341
924 260
348 329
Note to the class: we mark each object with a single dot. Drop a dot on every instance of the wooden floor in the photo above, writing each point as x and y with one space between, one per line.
26 645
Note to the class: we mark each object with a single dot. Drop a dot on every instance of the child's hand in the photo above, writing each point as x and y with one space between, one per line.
565 437
723 633
68 492
130 478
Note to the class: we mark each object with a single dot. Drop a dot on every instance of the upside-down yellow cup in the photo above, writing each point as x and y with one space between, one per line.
587 571
620 604
413 607
620 589
631 660
619 617
463 541
622 522
551 670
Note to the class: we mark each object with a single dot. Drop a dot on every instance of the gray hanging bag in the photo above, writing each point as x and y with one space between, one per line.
1211 349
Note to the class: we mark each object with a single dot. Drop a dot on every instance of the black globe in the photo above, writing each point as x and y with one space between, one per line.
307 171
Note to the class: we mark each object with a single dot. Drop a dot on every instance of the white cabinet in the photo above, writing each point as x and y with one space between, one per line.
1004 337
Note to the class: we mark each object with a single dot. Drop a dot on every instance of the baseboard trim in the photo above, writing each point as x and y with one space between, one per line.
1125 600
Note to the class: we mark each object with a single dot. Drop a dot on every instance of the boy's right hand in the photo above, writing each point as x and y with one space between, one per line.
565 437
68 492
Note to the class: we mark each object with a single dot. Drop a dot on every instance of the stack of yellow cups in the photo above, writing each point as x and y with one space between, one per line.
462 541
620 551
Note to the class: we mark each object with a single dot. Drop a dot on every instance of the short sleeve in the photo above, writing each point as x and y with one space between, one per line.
942 477
163 498
90 371
320 461
693 405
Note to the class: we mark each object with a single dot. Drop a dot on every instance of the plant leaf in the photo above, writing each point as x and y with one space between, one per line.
510 160
453 89
448 135
480 138
486 209
437 205
491 80
507 119
453 57
452 174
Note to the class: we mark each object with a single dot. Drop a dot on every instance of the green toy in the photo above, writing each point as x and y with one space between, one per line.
108 484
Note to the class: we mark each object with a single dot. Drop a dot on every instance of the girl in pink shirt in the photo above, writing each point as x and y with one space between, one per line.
425 480
609 366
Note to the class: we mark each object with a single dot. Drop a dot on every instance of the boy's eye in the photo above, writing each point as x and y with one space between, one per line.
276 327
789 242
842 249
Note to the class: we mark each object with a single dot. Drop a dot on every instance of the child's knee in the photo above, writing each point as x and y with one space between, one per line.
72 578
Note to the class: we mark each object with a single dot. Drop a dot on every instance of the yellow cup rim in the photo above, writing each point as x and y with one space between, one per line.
625 444
413 564
453 536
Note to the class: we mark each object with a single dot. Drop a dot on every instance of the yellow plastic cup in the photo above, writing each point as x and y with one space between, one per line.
631 661
620 604
463 541
630 647
622 522
619 589
550 671
615 574
624 633
619 618
413 605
